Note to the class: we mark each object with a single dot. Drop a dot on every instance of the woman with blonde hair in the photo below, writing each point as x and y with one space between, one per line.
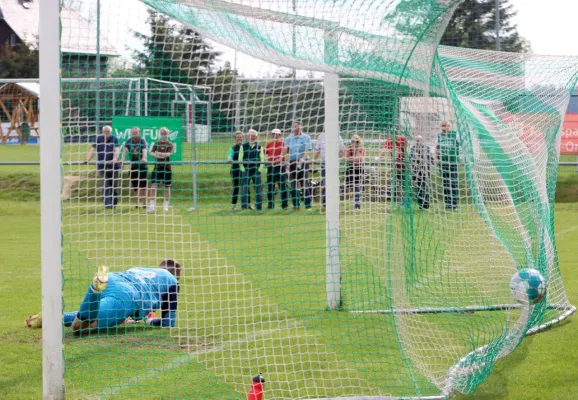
355 156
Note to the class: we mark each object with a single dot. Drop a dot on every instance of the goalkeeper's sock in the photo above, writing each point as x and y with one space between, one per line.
100 279
69 317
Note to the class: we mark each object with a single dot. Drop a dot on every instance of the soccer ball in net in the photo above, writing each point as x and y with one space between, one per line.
528 286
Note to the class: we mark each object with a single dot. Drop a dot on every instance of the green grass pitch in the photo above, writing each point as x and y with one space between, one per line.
243 288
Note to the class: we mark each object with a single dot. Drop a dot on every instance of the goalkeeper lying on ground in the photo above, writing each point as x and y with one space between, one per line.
118 297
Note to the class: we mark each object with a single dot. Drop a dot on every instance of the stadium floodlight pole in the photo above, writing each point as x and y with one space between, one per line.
332 233
146 97
97 83
498 44
191 112
50 183
237 89
294 75
137 103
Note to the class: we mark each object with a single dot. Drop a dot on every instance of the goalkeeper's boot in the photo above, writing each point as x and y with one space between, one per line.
100 280
34 321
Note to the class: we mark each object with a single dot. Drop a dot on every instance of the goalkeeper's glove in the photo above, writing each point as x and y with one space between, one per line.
150 317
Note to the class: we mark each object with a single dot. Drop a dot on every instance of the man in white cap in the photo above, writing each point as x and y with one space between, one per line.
275 171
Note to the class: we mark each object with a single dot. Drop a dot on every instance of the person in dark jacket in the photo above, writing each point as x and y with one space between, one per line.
252 157
107 152
236 174
448 155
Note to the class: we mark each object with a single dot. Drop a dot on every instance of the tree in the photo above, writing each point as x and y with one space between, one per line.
510 39
223 96
413 18
20 61
174 52
473 26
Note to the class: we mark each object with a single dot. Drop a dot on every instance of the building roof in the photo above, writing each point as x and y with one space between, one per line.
20 88
78 35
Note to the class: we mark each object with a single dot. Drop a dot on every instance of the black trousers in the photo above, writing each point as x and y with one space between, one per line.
110 179
449 173
237 178
421 191
276 176
299 176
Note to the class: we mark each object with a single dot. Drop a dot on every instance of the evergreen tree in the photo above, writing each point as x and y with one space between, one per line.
20 61
473 26
510 39
222 84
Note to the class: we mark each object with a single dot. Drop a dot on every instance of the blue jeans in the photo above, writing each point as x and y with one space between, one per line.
353 180
254 176
323 184
109 180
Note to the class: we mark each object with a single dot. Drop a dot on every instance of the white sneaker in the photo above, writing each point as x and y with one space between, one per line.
151 210
166 208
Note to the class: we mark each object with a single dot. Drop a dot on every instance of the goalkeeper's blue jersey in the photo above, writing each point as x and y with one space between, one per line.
152 287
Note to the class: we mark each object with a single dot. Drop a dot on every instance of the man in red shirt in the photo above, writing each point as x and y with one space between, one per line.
397 152
275 170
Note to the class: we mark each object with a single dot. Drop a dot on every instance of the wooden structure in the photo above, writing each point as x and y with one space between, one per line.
18 110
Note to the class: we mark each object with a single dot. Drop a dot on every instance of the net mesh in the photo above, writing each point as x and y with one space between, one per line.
447 171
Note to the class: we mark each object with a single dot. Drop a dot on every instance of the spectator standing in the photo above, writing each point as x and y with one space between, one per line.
275 172
136 147
235 172
297 148
355 156
162 173
395 146
251 157
107 166
421 162
448 154
320 147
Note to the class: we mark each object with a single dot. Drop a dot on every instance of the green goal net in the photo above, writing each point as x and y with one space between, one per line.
357 211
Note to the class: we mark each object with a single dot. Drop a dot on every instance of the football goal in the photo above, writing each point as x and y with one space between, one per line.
313 194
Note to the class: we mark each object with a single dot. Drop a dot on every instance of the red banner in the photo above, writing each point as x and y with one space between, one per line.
570 135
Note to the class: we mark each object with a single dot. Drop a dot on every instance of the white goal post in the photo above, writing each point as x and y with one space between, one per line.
50 182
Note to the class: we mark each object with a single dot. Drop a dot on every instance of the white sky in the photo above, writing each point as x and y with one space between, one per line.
549 25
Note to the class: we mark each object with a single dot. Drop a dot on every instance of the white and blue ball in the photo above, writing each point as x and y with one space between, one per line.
528 286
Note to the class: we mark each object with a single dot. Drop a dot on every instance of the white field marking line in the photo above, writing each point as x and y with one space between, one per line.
188 357
428 279
565 231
